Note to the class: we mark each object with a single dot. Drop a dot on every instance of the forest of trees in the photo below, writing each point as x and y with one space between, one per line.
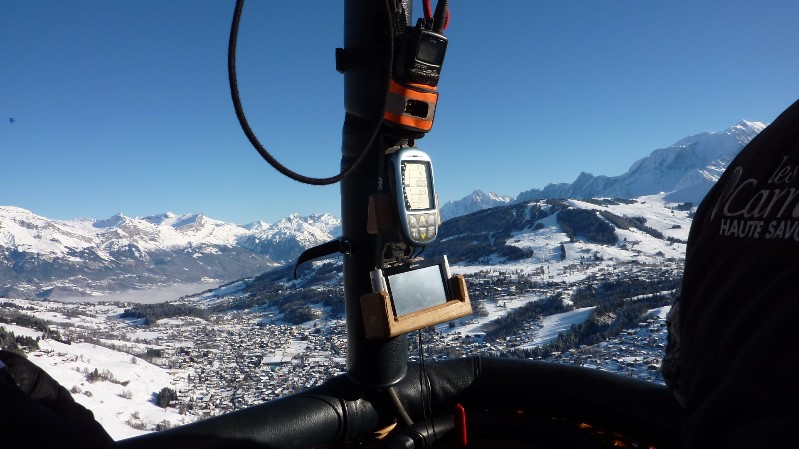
588 225
272 289
475 237
631 222
623 289
606 321
151 313
608 201
17 343
619 305
512 322
11 315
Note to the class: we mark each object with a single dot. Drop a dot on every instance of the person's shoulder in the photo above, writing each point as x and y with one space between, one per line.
37 411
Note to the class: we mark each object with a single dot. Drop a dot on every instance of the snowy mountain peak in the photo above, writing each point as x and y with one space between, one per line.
687 169
324 221
257 226
477 200
9 211
313 228
746 125
194 221
111 222
165 218
481 196
176 221
746 130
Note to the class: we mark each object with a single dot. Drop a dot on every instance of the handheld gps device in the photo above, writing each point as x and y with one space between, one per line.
415 195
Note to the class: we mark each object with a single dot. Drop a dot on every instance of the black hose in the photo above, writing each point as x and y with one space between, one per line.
440 16
245 126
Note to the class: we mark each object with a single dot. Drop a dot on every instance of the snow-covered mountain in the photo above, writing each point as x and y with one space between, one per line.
542 231
40 256
291 235
531 236
686 169
477 200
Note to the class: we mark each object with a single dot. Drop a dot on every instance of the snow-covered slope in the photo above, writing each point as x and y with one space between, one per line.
687 169
121 393
124 401
644 229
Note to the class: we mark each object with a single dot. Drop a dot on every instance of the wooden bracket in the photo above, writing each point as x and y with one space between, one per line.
380 217
379 320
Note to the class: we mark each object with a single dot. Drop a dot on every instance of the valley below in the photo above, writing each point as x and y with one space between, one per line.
553 287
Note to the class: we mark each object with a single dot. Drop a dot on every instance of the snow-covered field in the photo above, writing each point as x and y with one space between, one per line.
635 245
554 325
124 400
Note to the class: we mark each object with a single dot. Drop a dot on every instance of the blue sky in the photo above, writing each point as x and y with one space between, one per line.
124 106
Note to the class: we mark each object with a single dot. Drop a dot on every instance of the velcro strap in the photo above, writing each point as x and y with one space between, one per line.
412 106
359 57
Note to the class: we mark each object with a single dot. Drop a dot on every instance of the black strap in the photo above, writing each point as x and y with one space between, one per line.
323 250
360 57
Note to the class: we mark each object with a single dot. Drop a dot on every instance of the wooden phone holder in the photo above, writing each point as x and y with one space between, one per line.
380 322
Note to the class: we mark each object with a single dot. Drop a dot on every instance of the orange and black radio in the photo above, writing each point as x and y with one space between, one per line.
413 94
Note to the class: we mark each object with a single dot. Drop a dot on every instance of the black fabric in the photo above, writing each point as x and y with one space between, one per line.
359 58
37 412
738 307
671 365
340 410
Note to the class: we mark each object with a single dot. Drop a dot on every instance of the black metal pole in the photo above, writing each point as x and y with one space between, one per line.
383 362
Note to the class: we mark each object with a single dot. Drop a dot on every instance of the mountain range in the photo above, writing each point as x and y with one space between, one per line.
46 258
685 170
56 258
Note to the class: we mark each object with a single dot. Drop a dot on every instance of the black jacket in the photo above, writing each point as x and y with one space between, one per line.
735 339
37 412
